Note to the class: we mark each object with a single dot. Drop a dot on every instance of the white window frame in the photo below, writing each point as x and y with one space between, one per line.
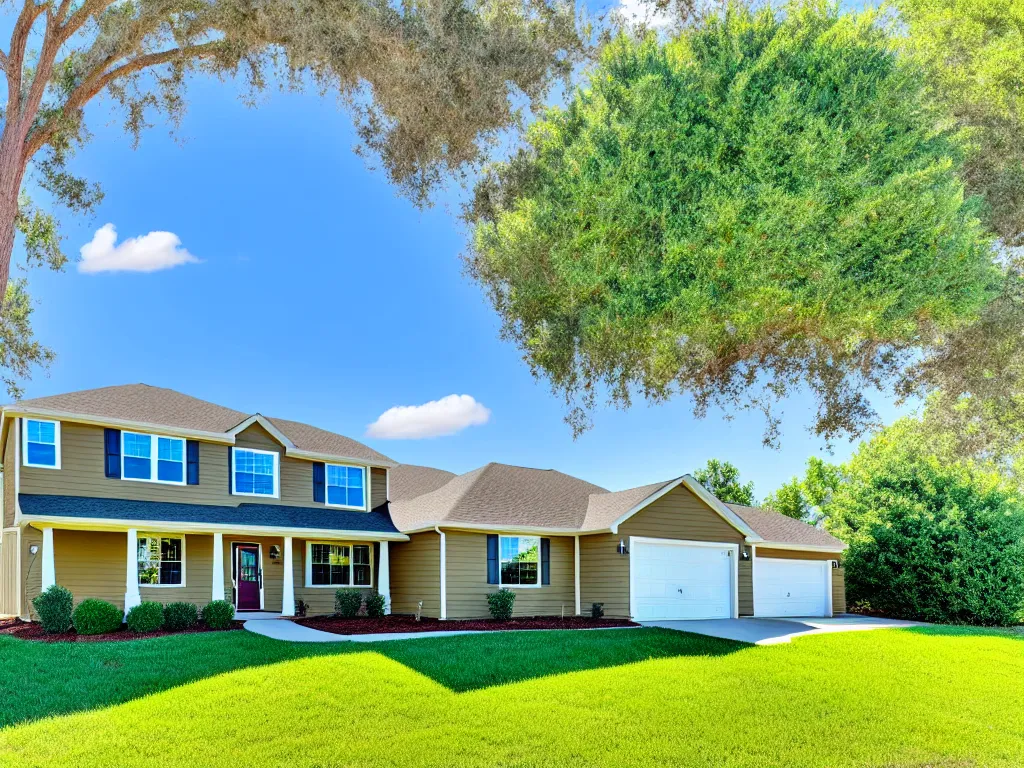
540 564
277 473
56 444
351 564
143 536
327 485
154 453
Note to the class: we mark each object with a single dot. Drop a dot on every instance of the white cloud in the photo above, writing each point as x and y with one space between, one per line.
149 253
438 417
644 12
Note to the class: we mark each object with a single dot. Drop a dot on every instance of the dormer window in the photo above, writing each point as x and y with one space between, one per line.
41 444
254 473
153 458
346 486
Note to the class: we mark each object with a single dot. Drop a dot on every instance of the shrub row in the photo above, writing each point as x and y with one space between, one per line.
347 603
58 614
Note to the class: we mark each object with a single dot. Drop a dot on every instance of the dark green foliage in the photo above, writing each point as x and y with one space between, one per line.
723 480
145 617
347 602
596 610
54 607
301 608
501 603
375 605
179 616
768 203
218 614
96 617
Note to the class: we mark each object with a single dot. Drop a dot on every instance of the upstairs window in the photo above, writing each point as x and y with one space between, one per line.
41 444
345 486
254 473
161 561
153 458
520 559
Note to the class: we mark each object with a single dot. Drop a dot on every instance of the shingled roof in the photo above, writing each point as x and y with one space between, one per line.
161 407
411 480
777 528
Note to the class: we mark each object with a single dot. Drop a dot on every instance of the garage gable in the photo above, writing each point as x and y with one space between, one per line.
680 514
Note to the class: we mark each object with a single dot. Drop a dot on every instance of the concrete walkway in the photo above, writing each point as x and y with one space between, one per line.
773 631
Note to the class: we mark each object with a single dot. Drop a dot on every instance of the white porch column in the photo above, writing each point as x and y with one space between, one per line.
49 573
576 572
384 576
131 582
218 567
288 584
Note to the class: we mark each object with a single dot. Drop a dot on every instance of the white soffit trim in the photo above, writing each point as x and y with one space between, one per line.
801 547
102 421
491 528
258 418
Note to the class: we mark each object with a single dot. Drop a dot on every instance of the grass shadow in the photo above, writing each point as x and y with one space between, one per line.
39 680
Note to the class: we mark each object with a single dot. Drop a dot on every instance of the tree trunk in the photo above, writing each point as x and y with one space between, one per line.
11 171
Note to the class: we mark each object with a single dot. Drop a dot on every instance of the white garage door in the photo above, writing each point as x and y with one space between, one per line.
679 581
791 587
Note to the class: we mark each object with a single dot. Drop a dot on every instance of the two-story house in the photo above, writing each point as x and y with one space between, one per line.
135 493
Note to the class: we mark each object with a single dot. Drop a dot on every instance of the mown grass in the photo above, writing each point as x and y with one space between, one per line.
891 697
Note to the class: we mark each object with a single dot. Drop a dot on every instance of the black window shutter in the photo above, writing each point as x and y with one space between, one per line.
492 558
545 561
318 482
112 452
192 461
231 484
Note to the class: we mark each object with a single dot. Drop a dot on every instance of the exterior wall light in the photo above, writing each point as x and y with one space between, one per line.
623 549
275 552
745 555
33 549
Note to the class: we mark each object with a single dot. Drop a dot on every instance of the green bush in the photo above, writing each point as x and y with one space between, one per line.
596 610
375 605
96 617
179 616
501 604
54 607
347 602
145 617
218 614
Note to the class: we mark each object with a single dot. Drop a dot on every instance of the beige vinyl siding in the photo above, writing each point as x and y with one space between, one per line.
378 487
679 514
91 564
416 574
9 580
467 587
321 599
273 570
10 470
838 574
82 474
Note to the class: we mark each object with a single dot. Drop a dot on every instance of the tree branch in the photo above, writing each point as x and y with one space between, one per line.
16 58
79 17
99 80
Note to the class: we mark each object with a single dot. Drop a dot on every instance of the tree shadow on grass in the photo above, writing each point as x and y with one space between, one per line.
44 679
962 630
498 658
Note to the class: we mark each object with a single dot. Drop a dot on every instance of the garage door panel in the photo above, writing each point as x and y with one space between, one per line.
677 581
790 587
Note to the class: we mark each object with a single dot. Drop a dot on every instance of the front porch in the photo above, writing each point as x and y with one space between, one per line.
263 576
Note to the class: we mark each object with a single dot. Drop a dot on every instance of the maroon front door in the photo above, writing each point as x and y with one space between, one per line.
248 581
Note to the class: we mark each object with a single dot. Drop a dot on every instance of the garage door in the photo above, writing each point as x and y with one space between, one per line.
791 587
679 581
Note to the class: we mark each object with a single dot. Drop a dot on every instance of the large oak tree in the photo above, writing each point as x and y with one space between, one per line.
430 83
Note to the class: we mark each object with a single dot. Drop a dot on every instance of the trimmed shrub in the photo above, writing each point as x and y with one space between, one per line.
301 608
597 610
179 616
375 605
218 614
96 617
501 604
145 617
347 602
54 607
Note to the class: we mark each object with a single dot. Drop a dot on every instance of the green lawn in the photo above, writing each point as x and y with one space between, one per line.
636 697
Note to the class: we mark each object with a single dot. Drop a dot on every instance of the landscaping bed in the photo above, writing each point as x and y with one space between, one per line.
26 630
361 625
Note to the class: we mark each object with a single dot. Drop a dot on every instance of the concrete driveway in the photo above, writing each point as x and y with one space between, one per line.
773 631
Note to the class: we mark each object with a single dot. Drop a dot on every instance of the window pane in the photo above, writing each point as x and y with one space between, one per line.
254 472
244 482
42 432
361 575
355 497
137 445
263 485
339 574
355 477
336 495
170 471
361 554
509 573
321 574
170 573
45 455
170 549
527 573
136 468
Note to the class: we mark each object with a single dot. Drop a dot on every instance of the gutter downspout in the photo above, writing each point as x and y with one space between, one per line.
444 579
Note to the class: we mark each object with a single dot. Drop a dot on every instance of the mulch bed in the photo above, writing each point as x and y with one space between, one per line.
24 630
362 625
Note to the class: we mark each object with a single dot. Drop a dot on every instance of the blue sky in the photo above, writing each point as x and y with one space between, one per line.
322 296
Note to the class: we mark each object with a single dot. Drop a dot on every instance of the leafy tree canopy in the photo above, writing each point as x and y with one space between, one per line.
806 498
766 202
723 479
430 83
